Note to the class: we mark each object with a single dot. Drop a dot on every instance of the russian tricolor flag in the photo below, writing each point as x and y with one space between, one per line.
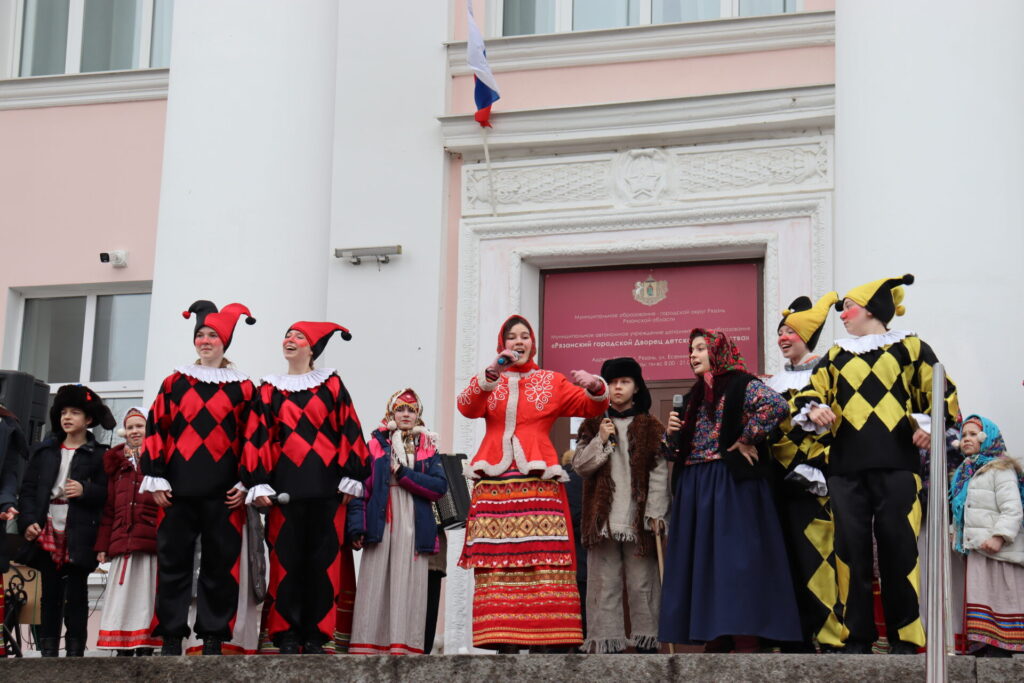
485 88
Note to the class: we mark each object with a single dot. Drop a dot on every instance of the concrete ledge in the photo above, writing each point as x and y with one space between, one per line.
555 668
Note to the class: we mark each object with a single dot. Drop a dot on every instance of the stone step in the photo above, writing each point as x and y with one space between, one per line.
494 668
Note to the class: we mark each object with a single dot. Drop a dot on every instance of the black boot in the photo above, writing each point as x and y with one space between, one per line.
171 647
312 647
74 647
211 646
125 653
855 647
287 644
902 647
49 647
144 652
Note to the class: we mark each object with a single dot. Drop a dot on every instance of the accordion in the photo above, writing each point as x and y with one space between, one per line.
451 510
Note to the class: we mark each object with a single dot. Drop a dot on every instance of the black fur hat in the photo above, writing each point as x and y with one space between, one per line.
85 399
628 367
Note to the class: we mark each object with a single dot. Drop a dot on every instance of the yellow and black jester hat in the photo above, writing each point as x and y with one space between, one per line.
882 298
807 320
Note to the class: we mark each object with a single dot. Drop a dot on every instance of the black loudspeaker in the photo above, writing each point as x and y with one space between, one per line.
28 398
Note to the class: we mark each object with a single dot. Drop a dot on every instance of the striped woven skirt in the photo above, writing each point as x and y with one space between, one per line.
519 544
994 609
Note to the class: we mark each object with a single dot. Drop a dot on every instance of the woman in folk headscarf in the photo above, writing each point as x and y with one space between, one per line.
726 569
518 535
394 524
986 495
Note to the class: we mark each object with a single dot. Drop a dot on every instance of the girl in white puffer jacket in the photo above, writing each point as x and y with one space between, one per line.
986 495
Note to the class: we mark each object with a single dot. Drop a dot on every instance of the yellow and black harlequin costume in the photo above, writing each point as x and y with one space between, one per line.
879 387
807 518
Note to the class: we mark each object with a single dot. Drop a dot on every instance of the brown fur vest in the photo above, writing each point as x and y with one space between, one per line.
644 436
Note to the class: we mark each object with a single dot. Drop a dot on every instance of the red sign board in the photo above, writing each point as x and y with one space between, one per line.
647 313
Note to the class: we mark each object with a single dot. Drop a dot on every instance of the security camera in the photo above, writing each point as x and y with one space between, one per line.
117 258
104 257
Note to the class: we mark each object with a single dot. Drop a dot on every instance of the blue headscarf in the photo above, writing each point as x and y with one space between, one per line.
992 448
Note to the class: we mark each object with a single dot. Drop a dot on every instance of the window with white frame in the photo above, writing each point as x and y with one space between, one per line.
524 17
94 339
83 36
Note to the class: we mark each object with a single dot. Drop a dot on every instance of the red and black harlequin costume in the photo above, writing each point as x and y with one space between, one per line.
519 535
193 445
304 439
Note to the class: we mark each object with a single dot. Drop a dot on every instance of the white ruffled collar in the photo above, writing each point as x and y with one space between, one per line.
791 378
211 375
313 378
870 342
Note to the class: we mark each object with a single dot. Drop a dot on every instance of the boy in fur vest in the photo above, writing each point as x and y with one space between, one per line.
625 497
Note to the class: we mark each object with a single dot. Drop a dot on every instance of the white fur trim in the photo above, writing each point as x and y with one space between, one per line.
212 375
815 475
803 419
259 490
923 421
870 342
391 425
308 380
351 487
154 484
486 384
603 396
789 379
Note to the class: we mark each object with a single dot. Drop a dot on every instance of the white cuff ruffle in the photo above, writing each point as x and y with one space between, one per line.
259 490
351 487
813 474
803 419
923 421
154 484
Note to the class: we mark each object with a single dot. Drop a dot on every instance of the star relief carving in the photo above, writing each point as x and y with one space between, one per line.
642 175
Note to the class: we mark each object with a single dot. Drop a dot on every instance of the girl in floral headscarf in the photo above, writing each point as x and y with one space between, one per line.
394 524
986 497
726 569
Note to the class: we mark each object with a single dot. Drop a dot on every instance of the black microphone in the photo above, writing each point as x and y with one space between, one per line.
613 438
677 407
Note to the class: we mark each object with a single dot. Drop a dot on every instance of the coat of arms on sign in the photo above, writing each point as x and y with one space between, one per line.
650 291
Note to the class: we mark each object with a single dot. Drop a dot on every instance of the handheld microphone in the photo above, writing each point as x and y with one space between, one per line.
677 407
613 438
279 499
504 360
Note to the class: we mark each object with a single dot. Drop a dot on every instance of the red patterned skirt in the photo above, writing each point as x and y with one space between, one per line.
519 544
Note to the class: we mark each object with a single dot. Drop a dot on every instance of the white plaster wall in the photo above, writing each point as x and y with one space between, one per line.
389 188
246 187
929 178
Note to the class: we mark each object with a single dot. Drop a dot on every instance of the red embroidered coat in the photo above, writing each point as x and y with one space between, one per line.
519 409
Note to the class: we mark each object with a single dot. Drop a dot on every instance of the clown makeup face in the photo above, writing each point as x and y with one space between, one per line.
518 339
73 421
971 438
858 320
792 346
621 392
135 430
405 417
297 350
699 359
209 346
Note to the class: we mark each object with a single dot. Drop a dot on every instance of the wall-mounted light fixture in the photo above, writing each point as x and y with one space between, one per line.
356 255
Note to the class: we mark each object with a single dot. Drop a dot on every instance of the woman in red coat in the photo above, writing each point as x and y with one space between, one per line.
127 539
518 536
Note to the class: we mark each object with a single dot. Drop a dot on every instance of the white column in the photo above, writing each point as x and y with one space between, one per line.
929 178
246 191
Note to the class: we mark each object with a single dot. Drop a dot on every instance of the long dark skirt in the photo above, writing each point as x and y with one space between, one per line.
726 571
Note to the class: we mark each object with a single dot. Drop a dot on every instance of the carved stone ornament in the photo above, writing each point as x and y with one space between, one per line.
641 175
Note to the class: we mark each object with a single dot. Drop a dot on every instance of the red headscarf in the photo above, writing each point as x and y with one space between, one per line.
722 352
509 323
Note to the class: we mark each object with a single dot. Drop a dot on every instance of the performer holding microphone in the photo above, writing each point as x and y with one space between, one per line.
625 502
518 535
730 577
305 447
